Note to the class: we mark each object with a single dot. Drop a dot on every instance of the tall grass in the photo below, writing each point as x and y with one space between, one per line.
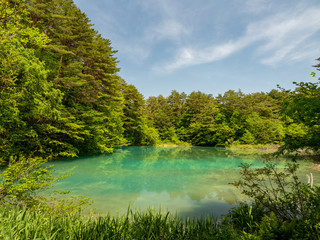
22 223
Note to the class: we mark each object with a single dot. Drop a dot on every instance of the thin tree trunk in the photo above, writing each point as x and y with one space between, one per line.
60 64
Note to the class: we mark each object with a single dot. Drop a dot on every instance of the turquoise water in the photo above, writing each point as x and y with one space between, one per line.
189 181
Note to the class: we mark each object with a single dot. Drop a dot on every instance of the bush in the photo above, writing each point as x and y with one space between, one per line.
286 207
26 181
245 217
23 180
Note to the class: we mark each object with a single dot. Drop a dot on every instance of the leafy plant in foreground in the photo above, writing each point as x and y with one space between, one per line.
22 223
25 182
278 191
289 206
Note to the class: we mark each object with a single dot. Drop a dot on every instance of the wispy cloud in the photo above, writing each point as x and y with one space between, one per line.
257 6
189 56
274 39
139 48
168 29
160 24
286 34
307 51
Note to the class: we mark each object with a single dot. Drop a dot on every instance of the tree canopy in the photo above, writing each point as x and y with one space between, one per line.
61 96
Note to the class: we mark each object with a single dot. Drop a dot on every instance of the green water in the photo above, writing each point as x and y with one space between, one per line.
189 181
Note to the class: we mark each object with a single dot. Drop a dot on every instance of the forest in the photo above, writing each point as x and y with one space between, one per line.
62 97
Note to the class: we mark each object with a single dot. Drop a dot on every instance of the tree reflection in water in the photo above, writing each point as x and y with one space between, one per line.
189 181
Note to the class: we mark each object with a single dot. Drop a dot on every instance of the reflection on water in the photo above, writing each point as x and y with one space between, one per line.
189 181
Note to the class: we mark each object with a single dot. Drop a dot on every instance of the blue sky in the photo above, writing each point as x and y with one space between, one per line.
210 45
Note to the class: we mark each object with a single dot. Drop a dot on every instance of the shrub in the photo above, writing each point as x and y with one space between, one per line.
26 181
288 208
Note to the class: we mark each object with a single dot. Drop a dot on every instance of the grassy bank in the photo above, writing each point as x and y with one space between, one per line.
27 224
243 222
257 147
169 144
253 147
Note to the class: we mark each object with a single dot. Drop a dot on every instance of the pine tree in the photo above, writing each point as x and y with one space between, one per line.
32 116
138 130
83 66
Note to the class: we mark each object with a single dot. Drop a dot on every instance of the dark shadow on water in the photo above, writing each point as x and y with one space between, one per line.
215 209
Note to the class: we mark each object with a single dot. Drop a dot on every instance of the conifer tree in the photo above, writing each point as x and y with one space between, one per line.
61 95
83 66
138 130
32 121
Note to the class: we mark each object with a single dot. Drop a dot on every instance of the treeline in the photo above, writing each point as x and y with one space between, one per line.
289 118
233 117
61 96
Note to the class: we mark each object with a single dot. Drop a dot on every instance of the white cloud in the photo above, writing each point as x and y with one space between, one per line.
164 21
286 34
168 29
163 25
278 38
307 51
257 6
189 56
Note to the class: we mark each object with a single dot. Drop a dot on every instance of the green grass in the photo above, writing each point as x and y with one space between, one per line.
243 222
255 147
22 223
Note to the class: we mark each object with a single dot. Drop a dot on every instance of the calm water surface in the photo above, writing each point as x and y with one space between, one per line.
189 181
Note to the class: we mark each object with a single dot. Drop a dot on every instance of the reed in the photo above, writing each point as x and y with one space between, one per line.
22 223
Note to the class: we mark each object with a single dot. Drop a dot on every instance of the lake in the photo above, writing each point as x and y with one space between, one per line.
188 181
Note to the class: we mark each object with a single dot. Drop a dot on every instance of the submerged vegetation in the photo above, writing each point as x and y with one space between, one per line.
61 96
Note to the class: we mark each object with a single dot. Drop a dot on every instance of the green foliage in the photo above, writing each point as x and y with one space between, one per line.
295 135
201 119
288 208
243 222
302 106
26 183
248 138
25 224
210 135
262 130
170 135
137 128
150 135
280 192
159 112
271 228
245 217
24 179
32 115
60 93
61 97
248 225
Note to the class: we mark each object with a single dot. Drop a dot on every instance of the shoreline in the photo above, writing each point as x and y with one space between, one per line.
258 147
